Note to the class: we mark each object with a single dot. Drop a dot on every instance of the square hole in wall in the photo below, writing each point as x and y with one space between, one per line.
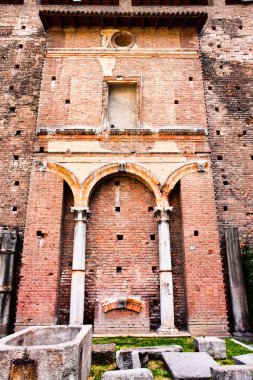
150 209
152 237
225 208
225 183
16 157
218 133
219 158
119 237
53 78
14 208
18 133
17 66
117 183
118 269
196 233
117 209
42 149
154 269
40 234
16 183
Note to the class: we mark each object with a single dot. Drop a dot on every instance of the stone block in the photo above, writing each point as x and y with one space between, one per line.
128 374
138 358
189 365
244 359
129 359
103 353
215 347
232 372
53 352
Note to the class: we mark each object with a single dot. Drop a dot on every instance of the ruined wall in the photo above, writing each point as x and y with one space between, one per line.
22 45
226 45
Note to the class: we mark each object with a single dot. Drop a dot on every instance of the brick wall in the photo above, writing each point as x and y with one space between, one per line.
206 302
38 291
226 48
66 256
79 80
177 258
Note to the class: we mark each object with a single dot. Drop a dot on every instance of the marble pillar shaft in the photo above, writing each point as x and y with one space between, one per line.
78 267
165 272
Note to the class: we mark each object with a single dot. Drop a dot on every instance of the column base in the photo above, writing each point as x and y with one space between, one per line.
167 330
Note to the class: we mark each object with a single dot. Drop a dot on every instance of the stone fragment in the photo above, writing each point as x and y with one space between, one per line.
215 347
244 359
129 359
128 374
232 372
138 358
103 353
47 353
189 365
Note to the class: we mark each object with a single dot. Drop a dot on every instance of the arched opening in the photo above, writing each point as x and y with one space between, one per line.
122 254
68 225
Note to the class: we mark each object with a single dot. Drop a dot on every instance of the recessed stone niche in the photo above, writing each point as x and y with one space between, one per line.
122 314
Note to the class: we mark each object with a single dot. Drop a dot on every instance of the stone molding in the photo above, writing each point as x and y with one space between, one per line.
129 303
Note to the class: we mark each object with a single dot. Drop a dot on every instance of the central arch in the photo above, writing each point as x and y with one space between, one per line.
122 255
131 169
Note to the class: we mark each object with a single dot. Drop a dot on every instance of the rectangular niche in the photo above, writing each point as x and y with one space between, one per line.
122 103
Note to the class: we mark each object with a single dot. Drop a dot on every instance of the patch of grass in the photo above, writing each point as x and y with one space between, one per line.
131 342
156 366
158 369
98 370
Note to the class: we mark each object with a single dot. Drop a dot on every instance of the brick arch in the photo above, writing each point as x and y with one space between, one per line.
69 177
179 173
129 168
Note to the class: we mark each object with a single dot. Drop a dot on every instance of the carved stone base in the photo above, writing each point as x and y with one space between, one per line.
167 330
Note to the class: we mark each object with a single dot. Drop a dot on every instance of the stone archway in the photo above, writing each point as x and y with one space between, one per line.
122 256
131 169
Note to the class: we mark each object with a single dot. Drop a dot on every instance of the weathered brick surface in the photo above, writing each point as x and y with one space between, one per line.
38 292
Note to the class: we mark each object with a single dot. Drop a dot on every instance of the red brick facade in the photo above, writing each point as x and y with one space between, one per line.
194 100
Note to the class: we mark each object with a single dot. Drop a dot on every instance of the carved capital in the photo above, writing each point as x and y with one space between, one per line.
122 166
42 165
81 214
162 213
201 166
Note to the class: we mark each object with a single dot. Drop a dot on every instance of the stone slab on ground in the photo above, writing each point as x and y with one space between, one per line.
189 365
215 347
138 357
103 353
128 374
232 372
244 359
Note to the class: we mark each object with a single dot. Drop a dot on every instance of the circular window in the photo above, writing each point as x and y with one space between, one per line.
123 40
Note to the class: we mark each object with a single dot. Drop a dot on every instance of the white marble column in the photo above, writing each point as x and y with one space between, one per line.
78 266
165 272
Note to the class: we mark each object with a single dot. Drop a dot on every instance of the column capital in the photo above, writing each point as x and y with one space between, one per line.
81 213
162 213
